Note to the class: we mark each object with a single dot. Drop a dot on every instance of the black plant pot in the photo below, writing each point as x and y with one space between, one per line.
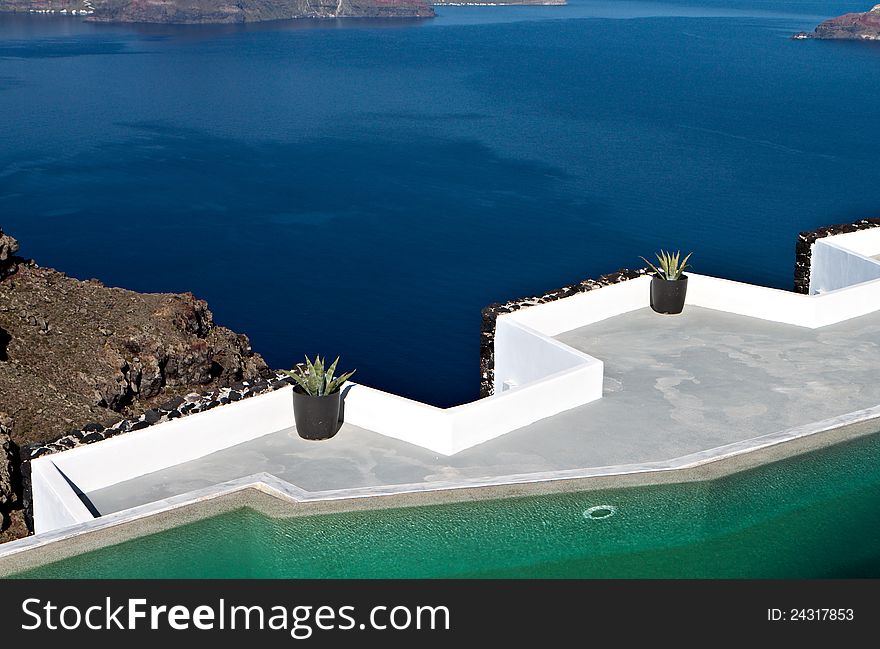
667 295
316 417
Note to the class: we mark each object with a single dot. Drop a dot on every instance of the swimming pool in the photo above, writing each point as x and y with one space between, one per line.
812 516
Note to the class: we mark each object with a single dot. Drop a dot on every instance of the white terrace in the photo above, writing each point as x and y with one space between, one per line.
593 384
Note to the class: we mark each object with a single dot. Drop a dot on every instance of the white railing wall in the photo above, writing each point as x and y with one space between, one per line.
137 453
750 300
536 377
56 503
554 318
833 267
862 242
844 260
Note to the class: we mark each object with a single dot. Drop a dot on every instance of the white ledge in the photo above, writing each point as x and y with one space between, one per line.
547 378
294 495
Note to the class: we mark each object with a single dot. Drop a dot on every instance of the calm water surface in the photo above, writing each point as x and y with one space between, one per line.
365 188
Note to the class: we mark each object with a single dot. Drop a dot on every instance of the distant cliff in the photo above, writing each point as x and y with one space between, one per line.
77 352
221 11
73 351
498 2
857 26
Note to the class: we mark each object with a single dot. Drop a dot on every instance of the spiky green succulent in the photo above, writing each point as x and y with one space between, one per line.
316 379
670 265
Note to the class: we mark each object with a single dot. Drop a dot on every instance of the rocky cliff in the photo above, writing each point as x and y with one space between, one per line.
8 459
222 11
856 26
77 352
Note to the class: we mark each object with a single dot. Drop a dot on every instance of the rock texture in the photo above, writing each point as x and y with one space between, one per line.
74 352
13 522
856 26
222 11
7 462
77 354
8 260
77 351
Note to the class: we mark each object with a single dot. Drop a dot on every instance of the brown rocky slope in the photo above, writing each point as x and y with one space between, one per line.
75 352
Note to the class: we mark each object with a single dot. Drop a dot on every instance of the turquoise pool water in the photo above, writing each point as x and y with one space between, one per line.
814 516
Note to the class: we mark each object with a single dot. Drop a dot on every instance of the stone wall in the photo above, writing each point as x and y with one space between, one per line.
804 248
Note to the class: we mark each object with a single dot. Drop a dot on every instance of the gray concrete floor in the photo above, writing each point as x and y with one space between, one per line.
674 385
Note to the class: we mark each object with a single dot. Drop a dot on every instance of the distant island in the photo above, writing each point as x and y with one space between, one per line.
184 12
856 26
220 11
489 3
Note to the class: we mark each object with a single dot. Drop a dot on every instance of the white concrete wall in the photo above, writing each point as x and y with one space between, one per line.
130 455
545 378
549 378
562 378
554 318
398 417
480 421
811 311
523 355
833 267
56 504
750 300
863 242
705 291
846 303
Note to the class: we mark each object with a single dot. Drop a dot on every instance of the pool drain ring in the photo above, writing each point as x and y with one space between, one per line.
600 512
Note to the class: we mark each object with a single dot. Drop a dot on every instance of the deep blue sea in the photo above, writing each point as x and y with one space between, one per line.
364 188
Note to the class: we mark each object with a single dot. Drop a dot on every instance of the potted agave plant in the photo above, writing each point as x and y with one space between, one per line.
669 284
316 398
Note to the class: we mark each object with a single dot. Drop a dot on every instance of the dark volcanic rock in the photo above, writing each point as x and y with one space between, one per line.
152 415
856 26
12 521
172 404
8 247
76 352
8 260
7 458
